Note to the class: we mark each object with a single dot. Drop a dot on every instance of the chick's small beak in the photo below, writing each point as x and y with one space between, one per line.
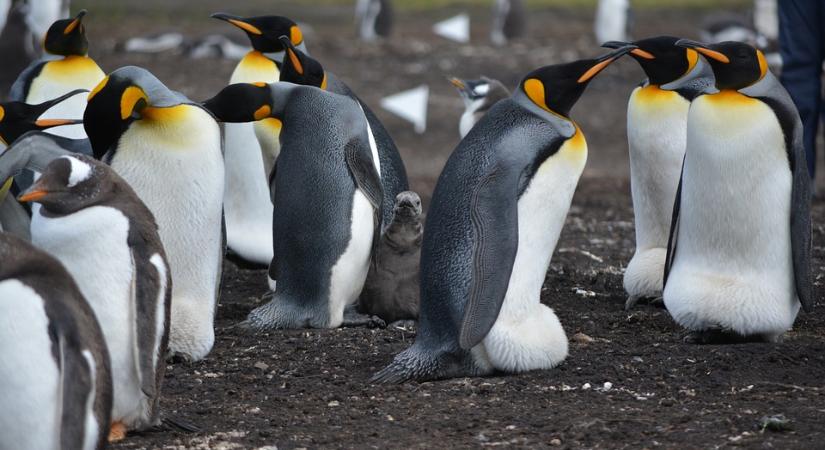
703 49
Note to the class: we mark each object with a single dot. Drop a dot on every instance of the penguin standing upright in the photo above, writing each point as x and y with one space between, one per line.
738 264
55 381
656 127
478 96
39 15
94 223
47 79
327 197
169 150
300 68
509 21
494 221
247 206
373 19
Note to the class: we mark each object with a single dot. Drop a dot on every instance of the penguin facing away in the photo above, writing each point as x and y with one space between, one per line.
169 151
739 256
300 68
47 79
656 131
247 206
478 96
327 200
95 224
373 19
55 380
495 217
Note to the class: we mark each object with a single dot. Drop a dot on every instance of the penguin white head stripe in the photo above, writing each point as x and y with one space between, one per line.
264 31
736 65
63 187
78 172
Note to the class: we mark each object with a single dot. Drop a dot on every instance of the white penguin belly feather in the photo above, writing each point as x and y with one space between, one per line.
733 265
30 389
527 335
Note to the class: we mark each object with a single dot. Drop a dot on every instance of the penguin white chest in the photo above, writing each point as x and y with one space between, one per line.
29 371
733 265
92 244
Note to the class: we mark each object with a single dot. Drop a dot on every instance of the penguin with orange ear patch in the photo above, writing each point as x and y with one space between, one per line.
494 221
739 257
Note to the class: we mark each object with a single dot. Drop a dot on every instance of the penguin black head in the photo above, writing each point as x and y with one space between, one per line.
70 183
67 37
556 88
264 31
735 65
241 102
660 58
18 118
300 68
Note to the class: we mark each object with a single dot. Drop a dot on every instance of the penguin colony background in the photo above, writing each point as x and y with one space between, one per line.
122 199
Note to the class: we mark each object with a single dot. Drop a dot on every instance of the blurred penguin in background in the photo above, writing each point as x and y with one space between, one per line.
373 19
39 15
478 96
509 21
612 20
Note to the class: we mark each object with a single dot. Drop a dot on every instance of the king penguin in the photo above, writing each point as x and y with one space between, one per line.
478 96
656 128
50 78
495 217
300 68
739 258
247 206
55 381
327 197
18 118
373 19
95 224
169 150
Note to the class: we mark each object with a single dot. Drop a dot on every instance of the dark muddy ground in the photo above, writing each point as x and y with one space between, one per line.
295 389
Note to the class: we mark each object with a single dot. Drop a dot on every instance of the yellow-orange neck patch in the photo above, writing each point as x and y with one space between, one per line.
2 113
731 97
763 64
98 88
692 58
295 35
534 89
262 112
129 100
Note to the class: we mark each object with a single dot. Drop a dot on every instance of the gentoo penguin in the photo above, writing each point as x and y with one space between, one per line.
391 289
50 78
495 217
739 257
509 21
300 68
169 150
656 127
38 16
478 96
327 197
373 19
247 206
55 380
95 224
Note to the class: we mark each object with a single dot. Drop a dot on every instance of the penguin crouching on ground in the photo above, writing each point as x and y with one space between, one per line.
657 115
247 206
478 96
95 224
300 68
327 196
494 221
169 151
738 264
55 380
47 79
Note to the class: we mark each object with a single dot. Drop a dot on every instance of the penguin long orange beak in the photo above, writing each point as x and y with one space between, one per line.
703 49
74 23
34 194
605 60
238 22
48 123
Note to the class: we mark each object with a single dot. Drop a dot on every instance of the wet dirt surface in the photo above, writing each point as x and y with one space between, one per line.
310 388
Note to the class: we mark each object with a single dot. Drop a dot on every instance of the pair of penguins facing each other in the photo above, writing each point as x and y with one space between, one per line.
732 270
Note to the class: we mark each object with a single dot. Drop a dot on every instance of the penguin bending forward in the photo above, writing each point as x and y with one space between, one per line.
169 151
55 381
247 206
657 115
327 200
494 221
95 224
49 78
739 258
300 68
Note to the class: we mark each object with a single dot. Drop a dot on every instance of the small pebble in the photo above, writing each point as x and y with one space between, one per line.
608 385
555 442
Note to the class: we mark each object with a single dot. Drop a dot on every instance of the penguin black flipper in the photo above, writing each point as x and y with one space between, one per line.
494 218
359 162
769 91
20 88
674 227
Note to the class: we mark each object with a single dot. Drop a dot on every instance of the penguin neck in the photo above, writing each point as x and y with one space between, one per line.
403 231
255 67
